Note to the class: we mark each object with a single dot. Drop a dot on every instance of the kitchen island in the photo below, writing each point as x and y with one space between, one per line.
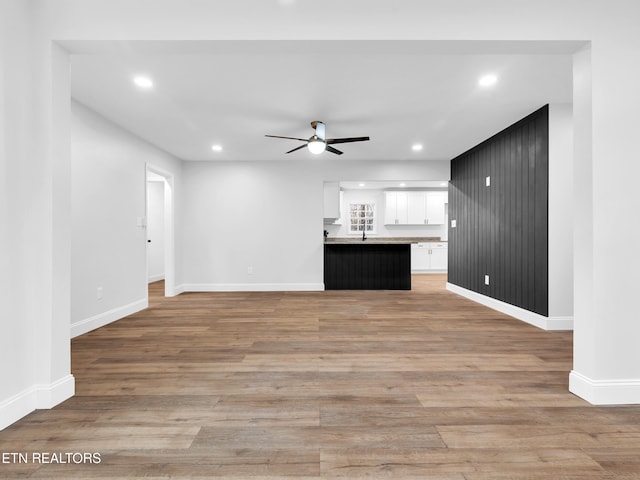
367 265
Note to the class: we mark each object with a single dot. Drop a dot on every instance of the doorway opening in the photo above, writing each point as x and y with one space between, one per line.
160 249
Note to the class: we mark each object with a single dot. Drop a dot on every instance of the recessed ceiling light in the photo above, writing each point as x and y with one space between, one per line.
417 147
443 184
216 148
403 184
143 82
487 80
361 184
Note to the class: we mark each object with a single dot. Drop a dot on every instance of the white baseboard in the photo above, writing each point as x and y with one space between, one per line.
155 278
537 320
35 397
251 287
605 392
102 319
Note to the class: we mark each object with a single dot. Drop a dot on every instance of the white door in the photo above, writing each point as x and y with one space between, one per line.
155 230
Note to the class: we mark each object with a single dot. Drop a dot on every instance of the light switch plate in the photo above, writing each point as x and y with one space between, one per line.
488 181
486 279
453 224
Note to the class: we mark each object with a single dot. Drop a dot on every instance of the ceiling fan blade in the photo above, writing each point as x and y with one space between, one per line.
329 148
347 140
297 148
288 138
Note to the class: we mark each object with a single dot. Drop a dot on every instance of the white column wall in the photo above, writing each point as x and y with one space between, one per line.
17 244
606 362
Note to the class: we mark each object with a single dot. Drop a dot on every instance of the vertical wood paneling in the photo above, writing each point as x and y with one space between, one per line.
366 266
502 230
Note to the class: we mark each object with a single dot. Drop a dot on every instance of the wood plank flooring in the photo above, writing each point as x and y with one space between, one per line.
418 384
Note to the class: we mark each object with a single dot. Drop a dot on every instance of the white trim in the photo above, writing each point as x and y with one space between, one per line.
48 396
34 397
535 319
155 278
83 326
605 392
251 287
18 406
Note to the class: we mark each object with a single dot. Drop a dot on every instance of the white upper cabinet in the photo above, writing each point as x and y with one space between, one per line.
434 207
415 208
395 209
331 200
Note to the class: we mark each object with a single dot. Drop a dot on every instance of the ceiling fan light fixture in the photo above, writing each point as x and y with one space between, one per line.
316 146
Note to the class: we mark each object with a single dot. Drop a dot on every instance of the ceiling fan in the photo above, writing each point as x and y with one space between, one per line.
318 143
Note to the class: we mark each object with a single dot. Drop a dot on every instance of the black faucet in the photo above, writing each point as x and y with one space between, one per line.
364 237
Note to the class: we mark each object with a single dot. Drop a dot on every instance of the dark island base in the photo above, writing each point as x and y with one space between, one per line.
367 266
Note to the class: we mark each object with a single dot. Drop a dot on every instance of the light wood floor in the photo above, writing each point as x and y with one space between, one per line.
408 384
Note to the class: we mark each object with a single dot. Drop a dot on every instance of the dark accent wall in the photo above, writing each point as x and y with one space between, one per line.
502 230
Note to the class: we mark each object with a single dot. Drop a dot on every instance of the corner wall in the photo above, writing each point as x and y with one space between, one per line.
498 198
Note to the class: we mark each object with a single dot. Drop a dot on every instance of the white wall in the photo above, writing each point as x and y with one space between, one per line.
267 216
108 246
561 212
377 197
20 218
155 230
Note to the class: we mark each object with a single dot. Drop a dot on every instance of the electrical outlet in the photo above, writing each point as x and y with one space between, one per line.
99 293
486 279
249 270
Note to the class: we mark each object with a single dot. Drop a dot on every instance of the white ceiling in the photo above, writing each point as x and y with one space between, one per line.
233 93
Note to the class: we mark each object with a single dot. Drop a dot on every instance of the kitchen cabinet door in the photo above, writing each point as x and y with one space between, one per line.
438 253
435 207
419 256
416 208
390 208
401 208
332 200
395 209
